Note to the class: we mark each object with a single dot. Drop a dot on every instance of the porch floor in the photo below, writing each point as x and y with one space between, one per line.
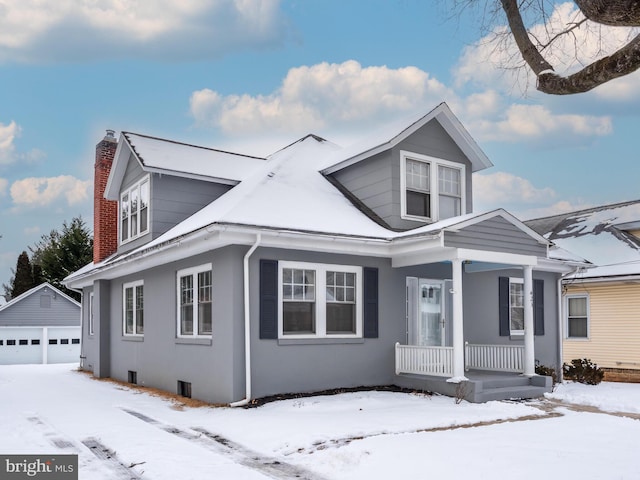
482 386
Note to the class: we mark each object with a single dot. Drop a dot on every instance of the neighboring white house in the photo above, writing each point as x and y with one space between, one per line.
40 326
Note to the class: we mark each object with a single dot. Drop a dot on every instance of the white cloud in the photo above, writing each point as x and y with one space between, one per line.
40 192
493 60
311 97
521 122
31 231
36 31
562 206
8 134
501 188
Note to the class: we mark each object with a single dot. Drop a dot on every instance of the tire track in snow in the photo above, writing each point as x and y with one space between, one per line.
242 455
117 469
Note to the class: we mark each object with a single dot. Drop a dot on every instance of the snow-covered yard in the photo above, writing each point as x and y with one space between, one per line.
365 435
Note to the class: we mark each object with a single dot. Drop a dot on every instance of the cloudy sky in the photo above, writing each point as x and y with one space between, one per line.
253 75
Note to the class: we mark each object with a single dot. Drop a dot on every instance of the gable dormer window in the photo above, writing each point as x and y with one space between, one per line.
134 211
432 189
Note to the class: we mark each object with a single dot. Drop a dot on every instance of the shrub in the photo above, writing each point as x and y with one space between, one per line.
547 372
583 370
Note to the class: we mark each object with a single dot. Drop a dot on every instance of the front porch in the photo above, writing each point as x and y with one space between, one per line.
492 372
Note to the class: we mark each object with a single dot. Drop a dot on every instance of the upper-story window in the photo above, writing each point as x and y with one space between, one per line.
432 188
134 211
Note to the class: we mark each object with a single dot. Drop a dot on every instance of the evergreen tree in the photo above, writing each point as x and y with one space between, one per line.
60 253
23 277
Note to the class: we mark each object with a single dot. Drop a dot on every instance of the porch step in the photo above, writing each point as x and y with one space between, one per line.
510 381
510 392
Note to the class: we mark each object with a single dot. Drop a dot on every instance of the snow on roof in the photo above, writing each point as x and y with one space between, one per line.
595 234
180 158
280 197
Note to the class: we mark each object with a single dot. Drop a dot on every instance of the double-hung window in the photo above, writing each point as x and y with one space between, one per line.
195 291
577 309
516 306
133 308
134 211
319 300
432 188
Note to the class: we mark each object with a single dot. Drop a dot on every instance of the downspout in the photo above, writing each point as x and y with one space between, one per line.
81 326
247 327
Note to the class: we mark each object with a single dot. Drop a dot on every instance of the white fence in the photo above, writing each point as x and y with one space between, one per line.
500 358
424 360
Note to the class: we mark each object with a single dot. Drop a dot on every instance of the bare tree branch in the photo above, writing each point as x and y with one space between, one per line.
617 13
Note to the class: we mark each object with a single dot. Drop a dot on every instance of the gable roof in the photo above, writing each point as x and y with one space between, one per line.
598 234
36 289
394 133
169 157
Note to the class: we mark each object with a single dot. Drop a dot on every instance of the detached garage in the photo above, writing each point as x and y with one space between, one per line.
40 326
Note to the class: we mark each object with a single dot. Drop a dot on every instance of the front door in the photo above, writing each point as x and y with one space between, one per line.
426 312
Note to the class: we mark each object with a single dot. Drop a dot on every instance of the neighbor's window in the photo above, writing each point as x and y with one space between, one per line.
578 316
134 211
133 308
432 188
195 292
516 306
320 300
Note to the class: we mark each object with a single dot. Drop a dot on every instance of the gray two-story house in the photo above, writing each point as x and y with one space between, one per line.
228 277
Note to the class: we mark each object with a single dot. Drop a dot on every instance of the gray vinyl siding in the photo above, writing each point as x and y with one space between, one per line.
376 180
497 235
215 367
174 199
28 312
481 322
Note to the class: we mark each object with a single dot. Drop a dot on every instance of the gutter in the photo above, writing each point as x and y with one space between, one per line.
247 327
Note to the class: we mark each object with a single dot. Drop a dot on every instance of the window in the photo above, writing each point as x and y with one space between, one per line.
578 316
133 308
11 342
320 300
75 341
35 342
64 341
134 211
195 291
23 342
433 189
53 341
1 342
132 377
516 306
91 328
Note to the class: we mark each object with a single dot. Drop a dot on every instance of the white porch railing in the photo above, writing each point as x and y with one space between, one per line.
500 358
424 360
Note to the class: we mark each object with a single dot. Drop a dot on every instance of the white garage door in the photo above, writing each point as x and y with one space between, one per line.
28 345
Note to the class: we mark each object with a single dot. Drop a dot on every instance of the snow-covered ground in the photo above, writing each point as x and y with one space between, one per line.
367 435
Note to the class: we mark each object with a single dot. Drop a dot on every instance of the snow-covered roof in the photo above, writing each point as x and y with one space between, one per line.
42 286
179 159
598 234
393 133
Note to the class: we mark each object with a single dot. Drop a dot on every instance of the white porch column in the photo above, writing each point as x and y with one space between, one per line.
529 354
458 329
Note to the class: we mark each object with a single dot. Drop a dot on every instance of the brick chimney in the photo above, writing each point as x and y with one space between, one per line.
105 212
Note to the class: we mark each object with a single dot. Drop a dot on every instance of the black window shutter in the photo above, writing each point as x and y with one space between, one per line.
370 308
503 306
268 299
538 307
